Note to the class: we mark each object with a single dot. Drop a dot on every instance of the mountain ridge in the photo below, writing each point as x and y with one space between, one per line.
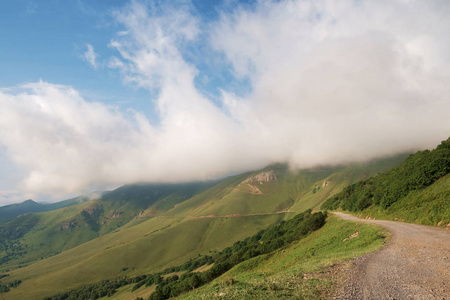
9 212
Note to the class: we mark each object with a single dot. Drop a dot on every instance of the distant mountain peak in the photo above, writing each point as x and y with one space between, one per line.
29 201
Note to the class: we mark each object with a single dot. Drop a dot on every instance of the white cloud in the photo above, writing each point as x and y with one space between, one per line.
151 45
67 144
335 81
90 56
331 82
56 135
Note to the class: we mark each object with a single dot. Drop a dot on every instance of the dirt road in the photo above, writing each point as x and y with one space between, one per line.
414 265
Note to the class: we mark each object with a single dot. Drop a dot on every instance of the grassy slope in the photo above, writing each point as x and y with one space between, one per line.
125 293
44 233
342 177
147 245
230 198
293 191
48 233
301 270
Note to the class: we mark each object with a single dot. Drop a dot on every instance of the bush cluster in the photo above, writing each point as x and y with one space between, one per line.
7 287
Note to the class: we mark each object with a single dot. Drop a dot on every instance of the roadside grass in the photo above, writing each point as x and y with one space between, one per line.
307 269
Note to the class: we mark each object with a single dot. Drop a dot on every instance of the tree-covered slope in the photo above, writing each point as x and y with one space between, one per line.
421 179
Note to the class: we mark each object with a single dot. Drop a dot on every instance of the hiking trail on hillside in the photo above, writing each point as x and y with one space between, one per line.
414 265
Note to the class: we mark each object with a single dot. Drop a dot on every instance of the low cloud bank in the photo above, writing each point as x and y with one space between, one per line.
331 82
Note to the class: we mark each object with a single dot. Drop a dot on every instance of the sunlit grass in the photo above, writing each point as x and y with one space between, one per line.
301 271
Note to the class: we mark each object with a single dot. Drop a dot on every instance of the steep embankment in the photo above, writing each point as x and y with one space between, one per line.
415 265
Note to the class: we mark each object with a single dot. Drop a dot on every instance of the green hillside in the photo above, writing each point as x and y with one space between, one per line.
170 285
305 269
114 237
293 266
35 236
293 191
417 190
11 211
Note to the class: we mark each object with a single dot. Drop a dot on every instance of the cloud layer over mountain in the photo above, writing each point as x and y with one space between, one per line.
330 82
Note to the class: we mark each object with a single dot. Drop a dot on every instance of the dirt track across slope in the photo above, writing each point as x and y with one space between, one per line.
414 265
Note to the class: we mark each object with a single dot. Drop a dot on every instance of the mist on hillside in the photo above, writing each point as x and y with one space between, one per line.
327 83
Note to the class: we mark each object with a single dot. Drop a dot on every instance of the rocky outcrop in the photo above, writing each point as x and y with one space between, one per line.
91 213
115 214
262 177
67 225
251 189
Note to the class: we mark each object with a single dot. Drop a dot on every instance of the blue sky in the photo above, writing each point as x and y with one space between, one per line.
95 94
47 40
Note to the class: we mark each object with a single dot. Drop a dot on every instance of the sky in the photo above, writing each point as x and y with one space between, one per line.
96 94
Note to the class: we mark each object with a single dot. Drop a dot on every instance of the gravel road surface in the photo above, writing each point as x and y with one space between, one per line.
414 265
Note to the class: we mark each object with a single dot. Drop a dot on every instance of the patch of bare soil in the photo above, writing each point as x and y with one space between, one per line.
414 265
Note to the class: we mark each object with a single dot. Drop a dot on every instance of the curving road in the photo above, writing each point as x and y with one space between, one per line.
414 265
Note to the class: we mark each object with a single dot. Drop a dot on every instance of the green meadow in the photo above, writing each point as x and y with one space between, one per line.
306 269
303 270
